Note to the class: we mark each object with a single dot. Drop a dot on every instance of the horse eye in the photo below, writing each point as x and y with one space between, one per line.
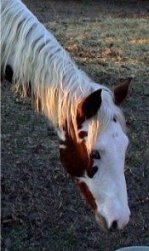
95 155
93 171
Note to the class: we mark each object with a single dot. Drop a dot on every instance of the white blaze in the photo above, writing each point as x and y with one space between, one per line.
108 186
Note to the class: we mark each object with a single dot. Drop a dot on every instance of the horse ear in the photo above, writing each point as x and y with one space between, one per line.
121 90
89 106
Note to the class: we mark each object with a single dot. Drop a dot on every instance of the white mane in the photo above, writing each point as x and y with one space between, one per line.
37 57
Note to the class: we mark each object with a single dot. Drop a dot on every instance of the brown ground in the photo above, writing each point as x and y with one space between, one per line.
41 208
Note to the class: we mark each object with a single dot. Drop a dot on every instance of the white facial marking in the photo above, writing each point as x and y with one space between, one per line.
108 185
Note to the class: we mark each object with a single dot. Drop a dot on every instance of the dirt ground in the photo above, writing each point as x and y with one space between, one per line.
41 207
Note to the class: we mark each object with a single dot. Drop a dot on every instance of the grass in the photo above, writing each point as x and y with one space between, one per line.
112 45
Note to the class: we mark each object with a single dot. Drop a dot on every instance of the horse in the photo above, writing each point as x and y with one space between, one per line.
86 115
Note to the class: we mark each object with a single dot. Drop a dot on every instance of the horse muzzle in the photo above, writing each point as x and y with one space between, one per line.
112 222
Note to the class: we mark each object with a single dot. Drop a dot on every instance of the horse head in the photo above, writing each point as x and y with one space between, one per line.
96 162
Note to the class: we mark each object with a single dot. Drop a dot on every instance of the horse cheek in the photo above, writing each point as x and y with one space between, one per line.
74 158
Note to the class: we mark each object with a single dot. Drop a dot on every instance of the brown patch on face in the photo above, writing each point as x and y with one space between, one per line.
77 162
87 195
74 155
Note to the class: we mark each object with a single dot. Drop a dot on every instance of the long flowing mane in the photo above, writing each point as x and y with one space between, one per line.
56 82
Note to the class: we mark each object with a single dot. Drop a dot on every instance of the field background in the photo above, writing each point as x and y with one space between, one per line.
41 207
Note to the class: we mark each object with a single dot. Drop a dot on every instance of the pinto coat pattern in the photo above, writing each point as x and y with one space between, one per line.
84 113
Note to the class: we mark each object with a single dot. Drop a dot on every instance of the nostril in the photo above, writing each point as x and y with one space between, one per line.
114 225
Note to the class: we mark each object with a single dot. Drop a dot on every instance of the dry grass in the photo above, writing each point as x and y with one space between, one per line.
116 46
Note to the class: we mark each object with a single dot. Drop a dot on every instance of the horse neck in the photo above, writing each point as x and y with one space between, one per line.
56 82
